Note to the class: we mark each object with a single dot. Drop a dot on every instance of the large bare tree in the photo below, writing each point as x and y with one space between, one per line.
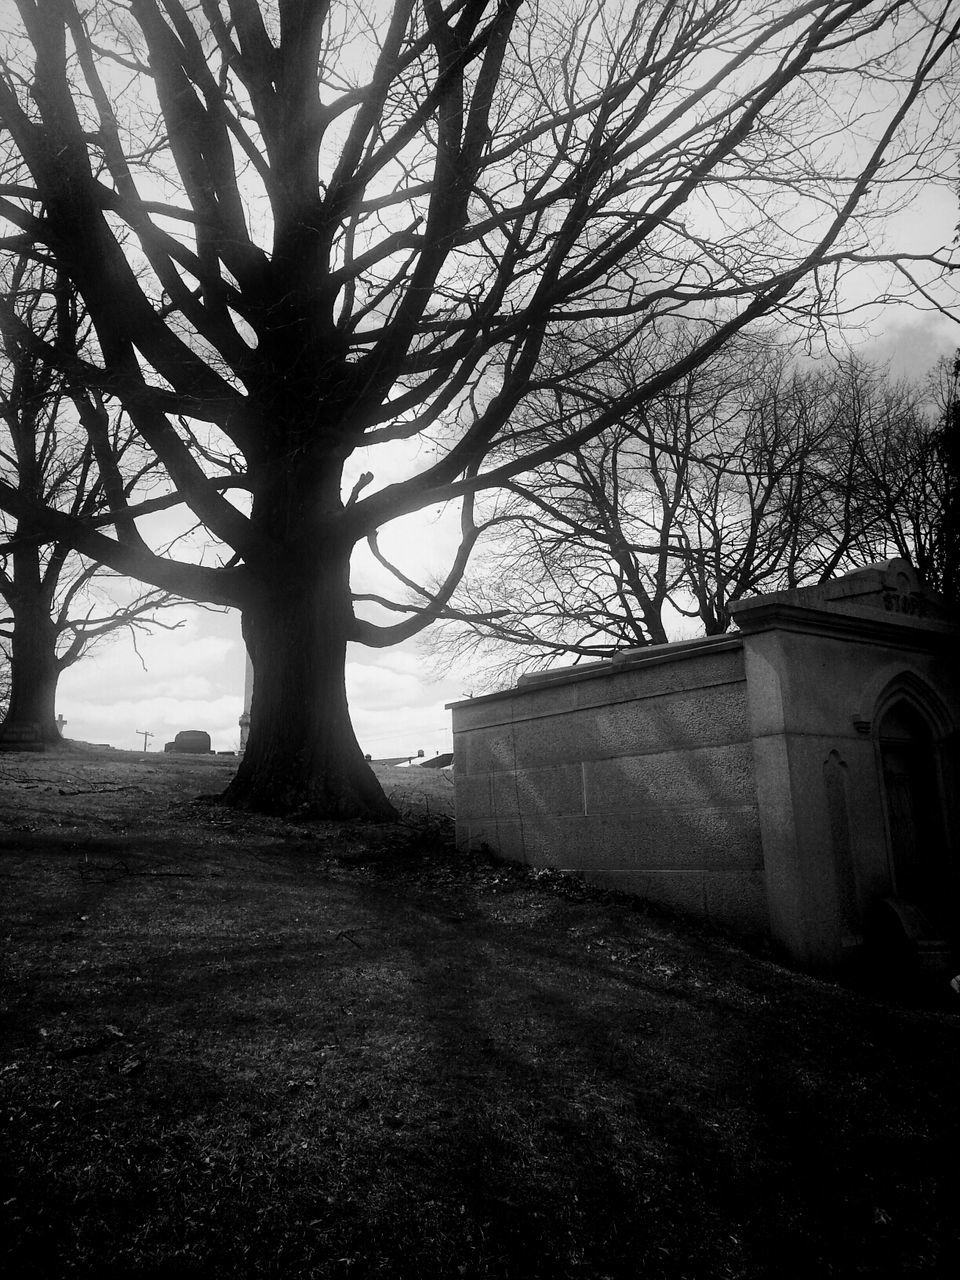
307 228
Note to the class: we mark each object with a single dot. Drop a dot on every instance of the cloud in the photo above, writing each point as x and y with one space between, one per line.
913 345
394 711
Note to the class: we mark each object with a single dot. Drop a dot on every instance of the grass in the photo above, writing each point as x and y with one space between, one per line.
237 1047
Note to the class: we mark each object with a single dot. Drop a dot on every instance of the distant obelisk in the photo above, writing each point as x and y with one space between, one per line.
247 699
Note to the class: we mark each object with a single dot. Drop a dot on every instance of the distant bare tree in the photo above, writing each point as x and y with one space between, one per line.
4 673
909 467
828 468
946 555
59 449
748 475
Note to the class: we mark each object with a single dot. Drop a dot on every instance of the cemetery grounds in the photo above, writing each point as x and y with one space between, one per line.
237 1046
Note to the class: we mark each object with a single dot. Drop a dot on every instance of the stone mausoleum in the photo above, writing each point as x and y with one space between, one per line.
797 778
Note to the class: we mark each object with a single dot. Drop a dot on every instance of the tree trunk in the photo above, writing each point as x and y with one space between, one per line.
34 671
302 755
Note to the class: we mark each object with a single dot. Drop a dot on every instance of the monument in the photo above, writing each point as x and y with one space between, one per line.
798 778
247 699
194 742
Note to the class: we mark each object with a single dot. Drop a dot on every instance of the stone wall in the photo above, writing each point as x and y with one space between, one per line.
635 773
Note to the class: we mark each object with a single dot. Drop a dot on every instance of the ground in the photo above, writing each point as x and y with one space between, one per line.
240 1047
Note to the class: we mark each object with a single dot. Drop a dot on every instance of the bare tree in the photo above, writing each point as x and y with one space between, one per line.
904 483
599 549
4 674
945 555
313 227
57 608
749 474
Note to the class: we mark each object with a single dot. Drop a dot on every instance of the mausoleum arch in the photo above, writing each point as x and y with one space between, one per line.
913 733
898 684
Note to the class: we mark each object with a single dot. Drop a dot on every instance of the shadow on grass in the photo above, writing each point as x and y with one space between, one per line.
329 1069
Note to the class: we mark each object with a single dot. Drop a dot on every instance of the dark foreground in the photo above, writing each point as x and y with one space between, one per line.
238 1048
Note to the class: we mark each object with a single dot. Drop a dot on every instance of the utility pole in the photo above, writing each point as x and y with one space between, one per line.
146 735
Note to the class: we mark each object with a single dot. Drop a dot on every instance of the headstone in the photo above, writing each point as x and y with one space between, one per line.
193 742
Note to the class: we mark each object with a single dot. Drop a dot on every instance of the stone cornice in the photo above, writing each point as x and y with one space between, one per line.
627 660
865 623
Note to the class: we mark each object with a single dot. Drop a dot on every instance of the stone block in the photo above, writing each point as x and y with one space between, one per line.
543 735
737 900
673 840
548 700
706 778
555 740
511 705
533 792
666 676
472 796
682 839
503 839
568 843
489 750
691 718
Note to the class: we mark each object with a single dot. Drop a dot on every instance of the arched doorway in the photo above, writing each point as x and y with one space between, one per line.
921 865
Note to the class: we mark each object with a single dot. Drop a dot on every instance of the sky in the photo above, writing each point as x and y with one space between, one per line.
193 677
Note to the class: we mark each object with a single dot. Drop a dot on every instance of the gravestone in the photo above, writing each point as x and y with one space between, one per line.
192 742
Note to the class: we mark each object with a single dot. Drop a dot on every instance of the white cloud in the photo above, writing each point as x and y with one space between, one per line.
396 711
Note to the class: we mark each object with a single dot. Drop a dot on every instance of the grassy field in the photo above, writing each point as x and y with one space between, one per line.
238 1047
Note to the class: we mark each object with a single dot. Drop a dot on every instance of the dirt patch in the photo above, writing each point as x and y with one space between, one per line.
239 1047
